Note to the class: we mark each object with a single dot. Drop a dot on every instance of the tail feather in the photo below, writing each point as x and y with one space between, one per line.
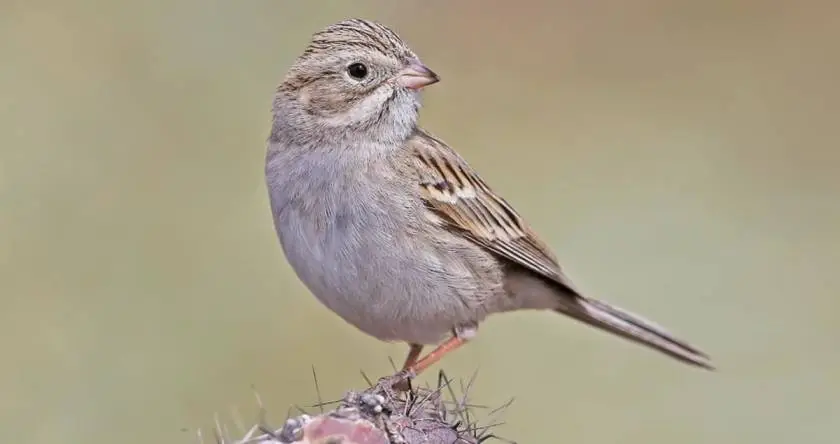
629 326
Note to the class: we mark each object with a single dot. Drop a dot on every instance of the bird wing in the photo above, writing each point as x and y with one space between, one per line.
455 193
458 198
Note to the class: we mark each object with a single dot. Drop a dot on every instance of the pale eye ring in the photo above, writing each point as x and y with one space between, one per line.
357 71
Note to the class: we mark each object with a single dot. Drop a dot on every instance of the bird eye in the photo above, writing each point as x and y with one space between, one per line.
357 71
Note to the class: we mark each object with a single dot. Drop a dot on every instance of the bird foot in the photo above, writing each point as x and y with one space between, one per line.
399 382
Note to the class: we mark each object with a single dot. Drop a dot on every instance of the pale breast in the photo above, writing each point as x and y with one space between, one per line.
366 251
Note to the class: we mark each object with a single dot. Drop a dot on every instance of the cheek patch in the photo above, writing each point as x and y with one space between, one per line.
355 109
325 98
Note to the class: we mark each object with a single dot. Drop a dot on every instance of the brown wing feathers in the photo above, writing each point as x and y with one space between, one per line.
460 197
455 193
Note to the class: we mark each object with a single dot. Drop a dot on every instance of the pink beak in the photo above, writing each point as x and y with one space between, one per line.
416 76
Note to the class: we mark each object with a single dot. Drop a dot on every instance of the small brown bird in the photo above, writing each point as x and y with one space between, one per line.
388 226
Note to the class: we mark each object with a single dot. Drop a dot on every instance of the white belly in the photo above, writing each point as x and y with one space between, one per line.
384 282
371 257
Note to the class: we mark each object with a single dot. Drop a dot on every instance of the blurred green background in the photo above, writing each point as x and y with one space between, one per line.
682 158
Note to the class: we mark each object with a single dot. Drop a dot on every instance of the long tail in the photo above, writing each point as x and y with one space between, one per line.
627 325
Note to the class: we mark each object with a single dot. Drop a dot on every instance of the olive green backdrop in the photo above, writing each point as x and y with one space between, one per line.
682 158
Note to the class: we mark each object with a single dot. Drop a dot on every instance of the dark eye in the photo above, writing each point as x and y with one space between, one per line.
357 71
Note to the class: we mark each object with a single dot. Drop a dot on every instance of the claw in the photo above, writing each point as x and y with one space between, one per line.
400 381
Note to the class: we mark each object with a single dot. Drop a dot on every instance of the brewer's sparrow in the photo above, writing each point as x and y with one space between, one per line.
388 226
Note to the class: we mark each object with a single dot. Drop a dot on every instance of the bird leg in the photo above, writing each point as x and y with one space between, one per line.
402 378
414 366
435 355
413 353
